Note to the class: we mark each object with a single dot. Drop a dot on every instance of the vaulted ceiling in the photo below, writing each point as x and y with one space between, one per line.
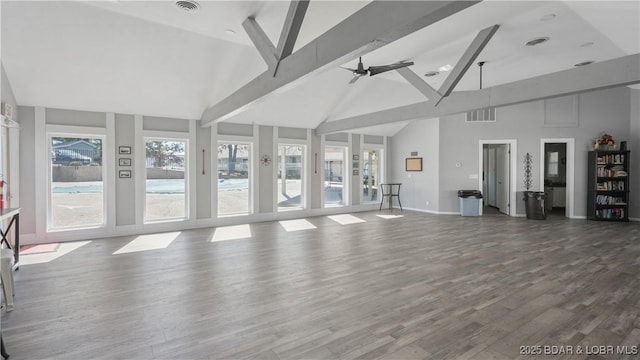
152 58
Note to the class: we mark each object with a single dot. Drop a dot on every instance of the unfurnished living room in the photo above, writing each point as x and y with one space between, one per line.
320 179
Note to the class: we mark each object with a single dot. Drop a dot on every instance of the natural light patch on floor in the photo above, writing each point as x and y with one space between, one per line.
232 233
346 219
390 216
297 225
148 242
45 257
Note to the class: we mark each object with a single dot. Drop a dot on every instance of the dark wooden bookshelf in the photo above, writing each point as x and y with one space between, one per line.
608 186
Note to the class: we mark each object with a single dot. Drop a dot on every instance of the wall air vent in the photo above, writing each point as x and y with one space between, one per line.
188 5
481 115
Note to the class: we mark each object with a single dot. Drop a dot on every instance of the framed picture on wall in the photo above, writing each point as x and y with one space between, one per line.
124 150
356 157
124 161
413 164
125 174
356 172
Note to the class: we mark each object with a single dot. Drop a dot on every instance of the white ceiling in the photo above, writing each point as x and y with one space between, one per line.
150 58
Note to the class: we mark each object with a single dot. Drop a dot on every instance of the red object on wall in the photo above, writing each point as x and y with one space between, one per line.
3 188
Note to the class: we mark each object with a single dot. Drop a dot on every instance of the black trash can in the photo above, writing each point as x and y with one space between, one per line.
469 202
534 203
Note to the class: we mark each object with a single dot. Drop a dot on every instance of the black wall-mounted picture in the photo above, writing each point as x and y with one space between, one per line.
413 164
124 150
125 174
124 162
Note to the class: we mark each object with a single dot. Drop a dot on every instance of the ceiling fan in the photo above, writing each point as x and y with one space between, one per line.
374 70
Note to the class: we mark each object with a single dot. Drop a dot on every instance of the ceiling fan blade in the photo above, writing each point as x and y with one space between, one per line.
355 78
374 70
346 68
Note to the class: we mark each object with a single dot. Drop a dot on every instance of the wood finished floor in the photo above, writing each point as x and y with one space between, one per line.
417 287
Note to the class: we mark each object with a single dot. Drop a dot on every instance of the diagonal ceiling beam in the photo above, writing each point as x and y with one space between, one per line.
290 30
261 41
467 59
375 25
417 82
618 72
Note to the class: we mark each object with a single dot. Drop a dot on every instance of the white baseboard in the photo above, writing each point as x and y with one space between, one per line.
634 219
578 217
429 211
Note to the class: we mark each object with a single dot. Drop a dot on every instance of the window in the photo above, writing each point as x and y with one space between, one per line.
370 176
76 196
335 165
234 167
552 164
165 195
290 177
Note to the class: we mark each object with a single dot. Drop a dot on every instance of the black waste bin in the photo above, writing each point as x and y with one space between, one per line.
534 204
469 202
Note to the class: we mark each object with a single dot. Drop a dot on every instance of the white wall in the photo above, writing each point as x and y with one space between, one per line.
419 190
634 146
6 93
582 117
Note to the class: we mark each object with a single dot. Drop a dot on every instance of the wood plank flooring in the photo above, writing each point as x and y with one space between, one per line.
419 286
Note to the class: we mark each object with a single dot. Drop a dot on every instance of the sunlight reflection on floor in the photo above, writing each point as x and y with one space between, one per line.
148 242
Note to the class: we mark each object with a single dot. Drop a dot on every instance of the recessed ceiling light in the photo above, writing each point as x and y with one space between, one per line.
432 73
584 63
588 43
537 41
230 32
548 17
189 6
445 68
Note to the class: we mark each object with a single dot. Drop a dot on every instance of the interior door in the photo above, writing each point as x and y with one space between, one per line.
502 178
491 177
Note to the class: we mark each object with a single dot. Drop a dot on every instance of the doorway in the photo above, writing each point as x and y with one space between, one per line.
497 176
556 173
495 185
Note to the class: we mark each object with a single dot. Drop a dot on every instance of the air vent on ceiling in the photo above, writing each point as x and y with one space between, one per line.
432 73
537 41
481 115
584 63
188 5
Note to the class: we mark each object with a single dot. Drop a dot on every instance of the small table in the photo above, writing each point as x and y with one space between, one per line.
14 215
390 193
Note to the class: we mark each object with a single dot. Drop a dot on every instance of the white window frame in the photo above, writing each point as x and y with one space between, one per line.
52 131
347 172
381 154
304 204
252 180
151 135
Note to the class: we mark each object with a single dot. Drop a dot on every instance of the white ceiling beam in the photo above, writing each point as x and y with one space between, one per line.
421 85
467 59
291 28
261 41
373 26
618 72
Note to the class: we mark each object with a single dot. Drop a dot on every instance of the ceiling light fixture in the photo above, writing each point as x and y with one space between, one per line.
189 6
584 63
432 73
536 41
447 67
230 32
548 17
